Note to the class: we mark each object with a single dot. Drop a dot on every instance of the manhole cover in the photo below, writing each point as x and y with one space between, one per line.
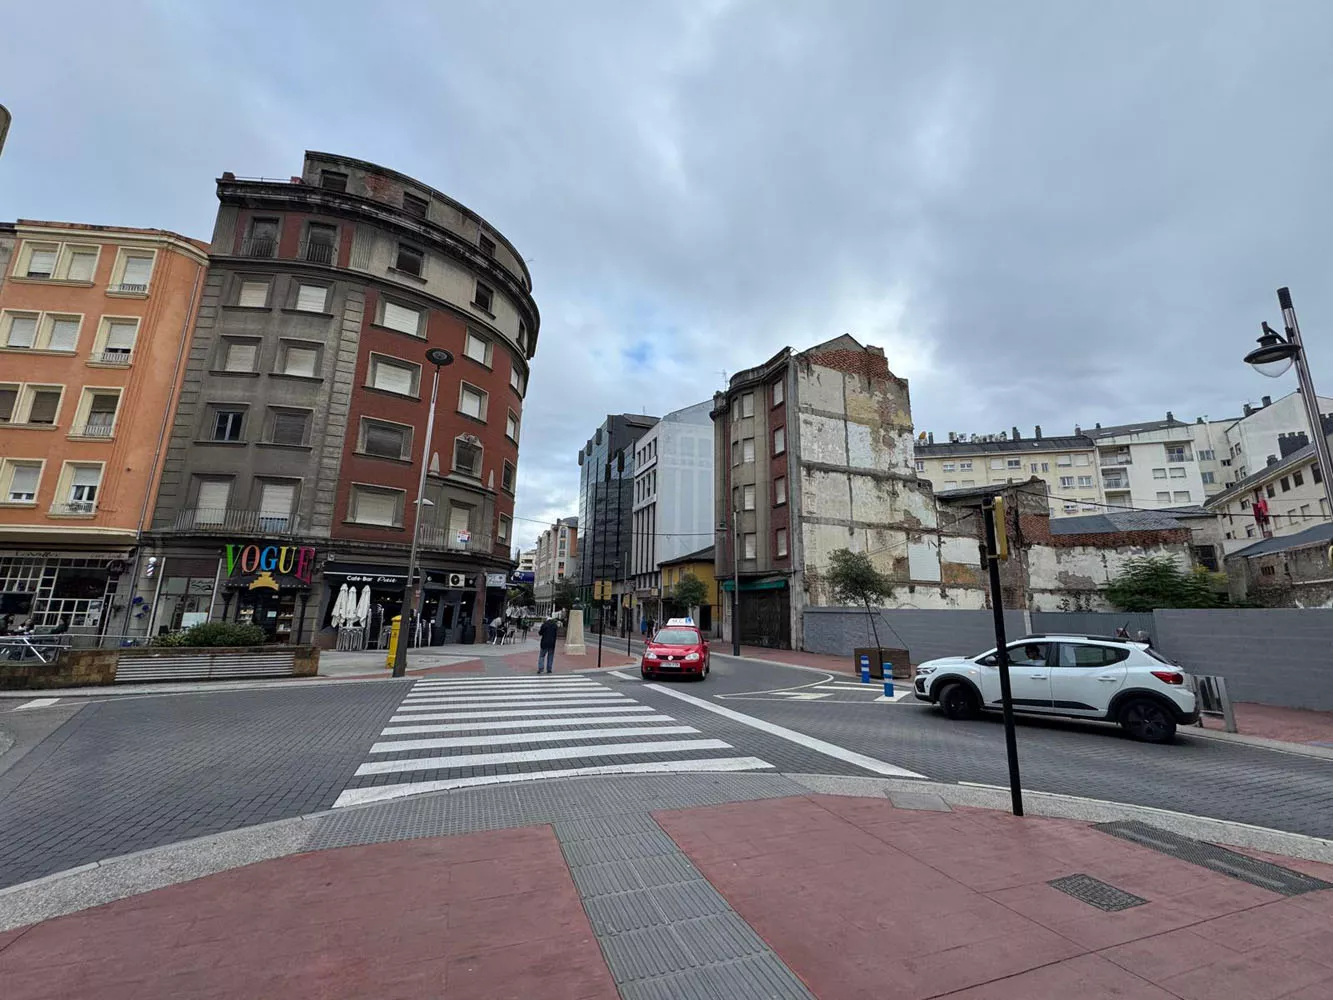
1096 892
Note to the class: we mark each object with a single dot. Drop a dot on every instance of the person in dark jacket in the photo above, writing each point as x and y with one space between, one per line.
546 653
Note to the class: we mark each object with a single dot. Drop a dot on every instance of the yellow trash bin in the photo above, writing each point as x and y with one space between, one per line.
396 620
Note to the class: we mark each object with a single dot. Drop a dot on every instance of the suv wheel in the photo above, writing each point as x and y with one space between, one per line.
957 701
1146 720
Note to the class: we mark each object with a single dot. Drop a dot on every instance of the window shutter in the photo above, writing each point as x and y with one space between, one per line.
64 334
241 357
81 264
471 403
22 331
393 378
42 263
401 318
137 270
376 508
211 503
253 294
312 298
44 406
275 499
24 482
86 476
458 521
301 360
120 336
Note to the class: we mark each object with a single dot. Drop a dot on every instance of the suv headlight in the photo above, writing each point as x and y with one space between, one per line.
691 657
923 671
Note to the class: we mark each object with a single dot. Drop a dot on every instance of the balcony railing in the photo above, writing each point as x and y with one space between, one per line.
224 519
318 253
130 288
1115 484
1177 459
259 247
440 538
74 507
96 428
1112 461
114 356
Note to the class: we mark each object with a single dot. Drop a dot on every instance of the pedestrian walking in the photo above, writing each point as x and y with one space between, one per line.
546 652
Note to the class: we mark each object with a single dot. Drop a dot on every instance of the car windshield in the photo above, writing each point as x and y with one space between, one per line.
677 637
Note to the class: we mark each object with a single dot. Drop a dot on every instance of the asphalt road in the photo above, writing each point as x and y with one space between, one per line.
125 774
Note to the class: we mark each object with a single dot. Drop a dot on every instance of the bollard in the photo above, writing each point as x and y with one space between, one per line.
865 670
396 621
888 684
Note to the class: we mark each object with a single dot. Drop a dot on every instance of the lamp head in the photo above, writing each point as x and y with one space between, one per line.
439 357
1274 355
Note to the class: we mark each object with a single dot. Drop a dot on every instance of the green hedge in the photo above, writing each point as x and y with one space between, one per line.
215 634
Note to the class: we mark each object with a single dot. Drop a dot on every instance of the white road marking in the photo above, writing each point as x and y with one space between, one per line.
501 739
806 695
809 742
410 706
37 703
506 689
525 682
457 727
379 793
519 713
546 753
791 687
849 684
623 677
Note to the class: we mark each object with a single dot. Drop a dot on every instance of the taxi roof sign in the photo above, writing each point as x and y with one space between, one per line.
680 621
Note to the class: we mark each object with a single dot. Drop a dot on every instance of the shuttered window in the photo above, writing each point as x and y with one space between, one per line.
374 506
81 265
120 335
254 294
64 334
22 331
275 500
392 377
240 357
312 298
401 318
137 272
212 500
300 361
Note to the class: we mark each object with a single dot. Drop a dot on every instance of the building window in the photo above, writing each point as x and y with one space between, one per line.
263 239
1177 473
312 298
483 297
385 440
747 405
1297 479
1159 473
8 400
22 330
300 360
1176 453
511 426
747 450
1244 505
522 337
82 263
1316 474
920 465
84 482
747 497
951 484
1249 531
1207 455
1305 511
471 401
414 206
410 260
227 425
333 180
133 272
43 404
1164 497
1032 467
20 480
288 426
1070 508
239 356
947 466
507 484
965 466
502 530
1013 463
477 348
516 379
376 505
1045 466
779 440
98 416
42 260
1066 482
967 482
1085 482
778 393
404 319
392 375
1181 496
117 341
1064 460
1270 490
779 491
39 331
253 294
1285 483
486 244
1081 460
751 546
780 543
1208 478
467 456
321 244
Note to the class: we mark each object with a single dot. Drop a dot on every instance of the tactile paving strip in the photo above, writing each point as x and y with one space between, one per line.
1275 878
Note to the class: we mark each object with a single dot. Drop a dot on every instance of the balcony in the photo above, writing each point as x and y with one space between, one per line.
231 519
445 540
74 508
1178 459
129 288
1110 483
259 246
318 252
1109 461
113 356
95 428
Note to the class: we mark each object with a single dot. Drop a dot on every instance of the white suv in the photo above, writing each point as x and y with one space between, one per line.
1081 676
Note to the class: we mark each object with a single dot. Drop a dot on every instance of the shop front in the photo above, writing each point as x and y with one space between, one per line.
386 597
74 591
268 586
449 604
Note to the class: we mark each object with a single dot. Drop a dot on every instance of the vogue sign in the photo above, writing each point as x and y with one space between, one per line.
264 562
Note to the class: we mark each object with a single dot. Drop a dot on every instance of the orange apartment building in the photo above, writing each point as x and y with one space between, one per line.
94 325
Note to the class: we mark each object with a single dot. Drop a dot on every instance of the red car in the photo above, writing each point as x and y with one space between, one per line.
676 650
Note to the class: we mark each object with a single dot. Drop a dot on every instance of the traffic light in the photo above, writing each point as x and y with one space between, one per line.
1001 532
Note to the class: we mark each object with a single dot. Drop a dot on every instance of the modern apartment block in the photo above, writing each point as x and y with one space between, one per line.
673 511
294 457
1148 465
556 562
1067 463
93 326
1284 497
812 453
606 500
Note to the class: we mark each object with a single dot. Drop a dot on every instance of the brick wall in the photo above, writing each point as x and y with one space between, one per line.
852 362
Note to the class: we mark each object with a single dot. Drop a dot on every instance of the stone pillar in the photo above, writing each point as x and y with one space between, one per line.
574 645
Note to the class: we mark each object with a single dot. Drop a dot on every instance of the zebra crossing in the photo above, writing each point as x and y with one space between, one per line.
456 733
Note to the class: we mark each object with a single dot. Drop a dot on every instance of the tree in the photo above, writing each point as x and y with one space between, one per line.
1151 582
564 595
853 579
520 595
689 592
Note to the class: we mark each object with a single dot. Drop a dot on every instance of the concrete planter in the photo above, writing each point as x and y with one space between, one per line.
99 667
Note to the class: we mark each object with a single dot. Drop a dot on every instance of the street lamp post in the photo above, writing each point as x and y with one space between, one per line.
1274 355
411 600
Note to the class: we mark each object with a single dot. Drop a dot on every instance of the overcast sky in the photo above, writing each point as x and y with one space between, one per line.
1054 213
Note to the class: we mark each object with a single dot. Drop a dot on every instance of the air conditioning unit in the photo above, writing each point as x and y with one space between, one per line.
457 581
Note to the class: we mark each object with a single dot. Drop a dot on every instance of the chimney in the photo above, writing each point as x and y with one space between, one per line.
1099 426
1038 435
1248 409
1016 435
1198 420
930 437
1170 417
1267 401
1078 431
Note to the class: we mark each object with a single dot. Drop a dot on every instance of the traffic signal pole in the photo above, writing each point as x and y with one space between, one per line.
997 548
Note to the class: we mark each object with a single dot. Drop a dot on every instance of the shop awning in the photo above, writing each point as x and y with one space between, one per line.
773 583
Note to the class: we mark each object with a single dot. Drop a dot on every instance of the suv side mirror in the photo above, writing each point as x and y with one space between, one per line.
989 661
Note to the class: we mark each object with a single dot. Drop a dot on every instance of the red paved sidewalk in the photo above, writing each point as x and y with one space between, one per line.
862 900
1290 725
822 661
526 662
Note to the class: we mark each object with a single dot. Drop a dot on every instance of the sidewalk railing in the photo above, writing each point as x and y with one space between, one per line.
1214 702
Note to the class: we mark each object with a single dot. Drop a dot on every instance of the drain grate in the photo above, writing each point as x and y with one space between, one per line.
1273 877
1096 892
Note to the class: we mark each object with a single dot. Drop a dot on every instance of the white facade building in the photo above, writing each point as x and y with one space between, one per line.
673 494
1150 465
556 560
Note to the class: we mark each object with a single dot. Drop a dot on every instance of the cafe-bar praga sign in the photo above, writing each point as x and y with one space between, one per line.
271 567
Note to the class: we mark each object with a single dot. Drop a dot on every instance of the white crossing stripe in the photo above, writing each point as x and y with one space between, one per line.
534 701
590 720
534 684
545 753
517 713
380 793
511 679
36 703
500 739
